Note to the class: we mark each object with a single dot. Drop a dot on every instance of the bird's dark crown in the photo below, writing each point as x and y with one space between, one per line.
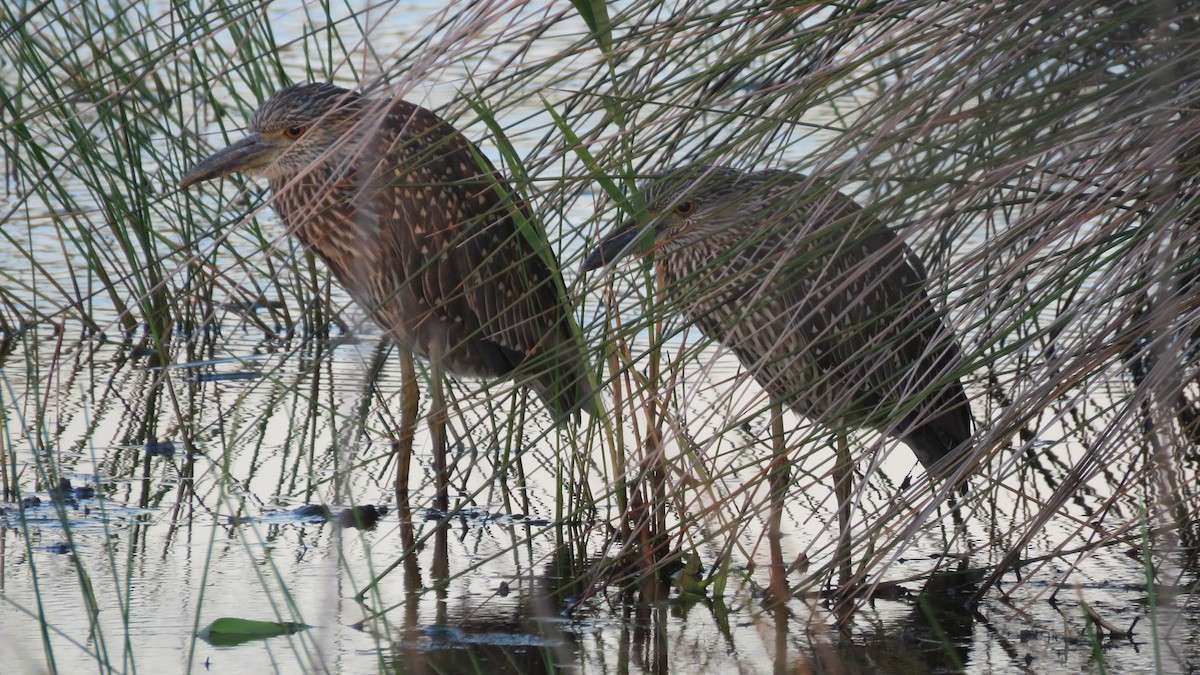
303 105
700 188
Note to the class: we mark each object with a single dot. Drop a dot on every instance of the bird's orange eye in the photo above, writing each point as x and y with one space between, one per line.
685 208
294 132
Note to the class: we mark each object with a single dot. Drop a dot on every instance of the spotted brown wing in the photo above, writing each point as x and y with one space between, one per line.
874 334
467 258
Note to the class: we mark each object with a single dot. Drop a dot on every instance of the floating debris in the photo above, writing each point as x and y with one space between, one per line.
225 377
65 492
228 631
254 304
160 448
142 351
362 517
312 511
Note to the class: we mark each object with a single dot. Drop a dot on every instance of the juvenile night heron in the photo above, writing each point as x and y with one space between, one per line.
823 304
418 227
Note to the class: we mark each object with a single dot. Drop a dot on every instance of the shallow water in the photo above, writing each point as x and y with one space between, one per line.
262 425
487 590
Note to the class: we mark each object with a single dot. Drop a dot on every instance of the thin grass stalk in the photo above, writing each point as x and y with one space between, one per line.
1032 187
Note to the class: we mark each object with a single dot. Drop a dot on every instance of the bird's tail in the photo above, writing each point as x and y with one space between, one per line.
942 439
934 448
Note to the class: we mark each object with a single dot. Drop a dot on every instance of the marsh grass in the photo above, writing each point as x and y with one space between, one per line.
1041 161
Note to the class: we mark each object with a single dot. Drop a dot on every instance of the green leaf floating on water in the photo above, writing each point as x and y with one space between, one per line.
687 579
231 631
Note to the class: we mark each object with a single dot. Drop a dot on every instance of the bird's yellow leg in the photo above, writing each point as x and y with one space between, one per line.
437 431
778 476
843 476
410 407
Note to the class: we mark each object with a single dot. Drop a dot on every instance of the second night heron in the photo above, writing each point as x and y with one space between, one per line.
421 231
822 303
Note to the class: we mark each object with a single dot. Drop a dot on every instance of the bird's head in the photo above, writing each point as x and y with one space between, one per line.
294 128
691 205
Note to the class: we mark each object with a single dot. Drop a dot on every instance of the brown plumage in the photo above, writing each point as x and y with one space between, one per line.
823 304
418 227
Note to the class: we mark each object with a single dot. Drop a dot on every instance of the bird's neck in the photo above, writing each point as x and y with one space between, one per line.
320 206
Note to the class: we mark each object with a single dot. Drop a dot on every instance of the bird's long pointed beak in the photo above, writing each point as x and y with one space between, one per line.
616 245
252 152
